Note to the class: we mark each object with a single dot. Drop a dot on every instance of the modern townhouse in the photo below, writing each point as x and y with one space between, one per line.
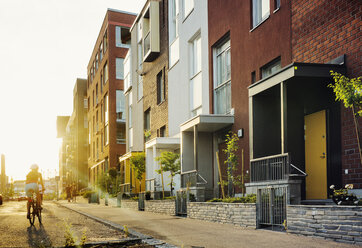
270 64
105 93
188 87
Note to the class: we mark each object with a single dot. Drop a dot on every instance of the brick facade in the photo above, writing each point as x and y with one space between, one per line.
159 112
112 150
322 31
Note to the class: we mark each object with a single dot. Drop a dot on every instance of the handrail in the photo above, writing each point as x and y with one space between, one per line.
205 181
305 174
269 157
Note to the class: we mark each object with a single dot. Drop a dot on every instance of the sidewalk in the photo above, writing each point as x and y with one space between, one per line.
195 233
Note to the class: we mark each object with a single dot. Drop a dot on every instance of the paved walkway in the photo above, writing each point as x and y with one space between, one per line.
195 233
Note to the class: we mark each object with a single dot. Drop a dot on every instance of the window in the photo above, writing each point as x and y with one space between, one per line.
270 68
195 76
119 68
162 131
222 78
106 135
195 56
188 7
105 109
130 110
127 71
174 11
97 149
120 105
147 120
93 99
140 68
85 103
102 138
105 42
261 11
121 133
96 62
105 72
253 77
160 87
97 125
100 52
97 93
276 4
123 37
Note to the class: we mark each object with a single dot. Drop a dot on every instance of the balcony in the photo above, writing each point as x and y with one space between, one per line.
151 32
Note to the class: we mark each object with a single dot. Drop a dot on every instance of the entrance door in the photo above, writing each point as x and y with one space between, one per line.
316 155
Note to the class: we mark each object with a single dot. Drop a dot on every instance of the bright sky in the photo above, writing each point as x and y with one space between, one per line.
44 46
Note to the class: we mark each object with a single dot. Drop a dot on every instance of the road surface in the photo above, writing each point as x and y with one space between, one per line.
15 230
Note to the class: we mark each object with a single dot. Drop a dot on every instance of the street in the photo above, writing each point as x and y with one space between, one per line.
15 230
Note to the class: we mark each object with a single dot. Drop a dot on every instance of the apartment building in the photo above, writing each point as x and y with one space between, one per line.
105 93
62 122
77 138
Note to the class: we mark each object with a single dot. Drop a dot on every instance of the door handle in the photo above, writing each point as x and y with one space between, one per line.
324 155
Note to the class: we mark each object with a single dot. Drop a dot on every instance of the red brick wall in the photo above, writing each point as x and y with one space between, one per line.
321 31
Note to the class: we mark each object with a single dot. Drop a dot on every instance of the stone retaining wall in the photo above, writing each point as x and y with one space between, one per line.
160 206
129 204
337 223
240 214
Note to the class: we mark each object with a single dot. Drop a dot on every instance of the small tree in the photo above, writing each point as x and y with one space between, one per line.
349 91
103 182
170 162
139 165
232 160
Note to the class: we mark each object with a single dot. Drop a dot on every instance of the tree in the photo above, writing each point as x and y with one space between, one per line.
170 162
232 160
349 91
103 182
139 165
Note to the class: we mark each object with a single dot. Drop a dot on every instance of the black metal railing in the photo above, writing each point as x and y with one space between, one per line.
192 179
270 168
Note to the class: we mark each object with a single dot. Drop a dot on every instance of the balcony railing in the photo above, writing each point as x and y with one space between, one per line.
192 179
270 168
147 44
125 188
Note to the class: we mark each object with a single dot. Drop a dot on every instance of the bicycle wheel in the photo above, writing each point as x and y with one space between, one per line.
32 213
39 213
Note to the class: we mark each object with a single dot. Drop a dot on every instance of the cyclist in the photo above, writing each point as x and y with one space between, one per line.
33 181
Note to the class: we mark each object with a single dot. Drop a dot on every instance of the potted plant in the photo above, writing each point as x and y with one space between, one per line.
343 197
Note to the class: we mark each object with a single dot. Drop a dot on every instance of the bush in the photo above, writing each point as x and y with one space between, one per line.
134 198
88 194
245 199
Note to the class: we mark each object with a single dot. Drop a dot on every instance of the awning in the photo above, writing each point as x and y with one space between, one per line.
164 143
295 70
208 123
127 156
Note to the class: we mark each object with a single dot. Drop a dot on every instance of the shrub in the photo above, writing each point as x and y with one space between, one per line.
88 194
245 199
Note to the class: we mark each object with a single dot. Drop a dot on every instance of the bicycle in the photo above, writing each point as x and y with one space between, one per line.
35 209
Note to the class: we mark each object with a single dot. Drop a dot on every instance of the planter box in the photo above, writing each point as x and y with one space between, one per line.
160 206
337 223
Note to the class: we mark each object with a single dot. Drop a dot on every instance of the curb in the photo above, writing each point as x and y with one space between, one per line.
145 238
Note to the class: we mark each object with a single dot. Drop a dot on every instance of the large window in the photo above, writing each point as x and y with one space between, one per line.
120 105
105 105
119 68
222 78
123 37
261 10
160 87
195 76
140 68
147 119
174 52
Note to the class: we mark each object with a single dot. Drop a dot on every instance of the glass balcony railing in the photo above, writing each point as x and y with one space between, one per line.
147 44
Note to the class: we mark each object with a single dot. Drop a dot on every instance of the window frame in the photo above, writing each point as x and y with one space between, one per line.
160 81
224 83
120 68
257 16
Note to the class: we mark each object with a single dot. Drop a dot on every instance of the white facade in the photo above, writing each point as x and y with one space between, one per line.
188 78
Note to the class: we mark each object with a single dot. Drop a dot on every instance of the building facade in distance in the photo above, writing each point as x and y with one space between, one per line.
105 93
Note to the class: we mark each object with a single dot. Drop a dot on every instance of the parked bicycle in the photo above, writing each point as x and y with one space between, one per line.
35 209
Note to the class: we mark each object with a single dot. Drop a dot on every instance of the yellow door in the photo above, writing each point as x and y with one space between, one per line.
316 155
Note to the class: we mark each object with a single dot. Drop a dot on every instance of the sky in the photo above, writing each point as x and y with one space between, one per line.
44 46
